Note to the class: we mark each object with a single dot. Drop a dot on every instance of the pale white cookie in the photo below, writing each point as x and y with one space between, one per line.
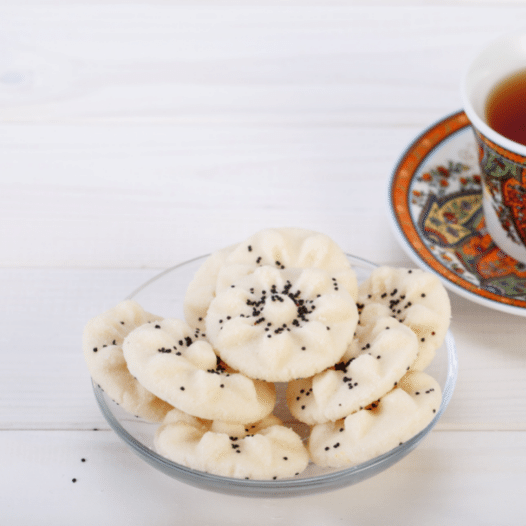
417 299
379 356
261 451
287 248
201 290
186 374
375 430
102 346
278 325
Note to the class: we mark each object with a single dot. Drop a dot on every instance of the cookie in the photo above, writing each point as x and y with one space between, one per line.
287 248
102 346
281 324
377 429
186 374
201 290
262 451
382 351
417 299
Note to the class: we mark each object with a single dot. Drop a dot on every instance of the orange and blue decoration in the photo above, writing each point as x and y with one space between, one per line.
436 201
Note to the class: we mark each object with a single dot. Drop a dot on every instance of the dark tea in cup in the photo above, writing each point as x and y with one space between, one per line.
506 107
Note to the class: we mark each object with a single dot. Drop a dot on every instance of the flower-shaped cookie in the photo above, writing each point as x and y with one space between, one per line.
281 324
168 362
201 290
287 248
380 355
417 299
264 450
102 346
380 427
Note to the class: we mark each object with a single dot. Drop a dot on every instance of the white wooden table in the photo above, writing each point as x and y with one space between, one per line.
137 136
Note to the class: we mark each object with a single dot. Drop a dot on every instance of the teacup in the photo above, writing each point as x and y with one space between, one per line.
502 160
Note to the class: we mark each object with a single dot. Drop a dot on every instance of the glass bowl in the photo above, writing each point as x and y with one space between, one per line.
163 295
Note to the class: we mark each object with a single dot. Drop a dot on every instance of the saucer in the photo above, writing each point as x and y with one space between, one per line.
435 200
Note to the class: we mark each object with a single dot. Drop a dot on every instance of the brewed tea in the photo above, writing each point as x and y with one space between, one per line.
506 107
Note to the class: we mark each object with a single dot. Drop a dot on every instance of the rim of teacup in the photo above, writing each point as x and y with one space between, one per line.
504 55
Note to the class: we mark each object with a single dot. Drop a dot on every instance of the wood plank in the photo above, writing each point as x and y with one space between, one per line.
474 478
44 383
228 65
148 196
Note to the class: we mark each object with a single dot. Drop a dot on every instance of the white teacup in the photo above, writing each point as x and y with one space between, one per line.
502 161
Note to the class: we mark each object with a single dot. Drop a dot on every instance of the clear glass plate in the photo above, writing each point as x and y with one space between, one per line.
163 295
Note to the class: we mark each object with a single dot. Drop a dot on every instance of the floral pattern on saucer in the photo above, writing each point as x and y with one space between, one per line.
436 204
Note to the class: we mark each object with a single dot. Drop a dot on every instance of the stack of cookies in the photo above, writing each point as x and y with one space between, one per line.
282 307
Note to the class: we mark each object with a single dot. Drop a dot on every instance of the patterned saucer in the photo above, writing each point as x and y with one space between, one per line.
435 198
